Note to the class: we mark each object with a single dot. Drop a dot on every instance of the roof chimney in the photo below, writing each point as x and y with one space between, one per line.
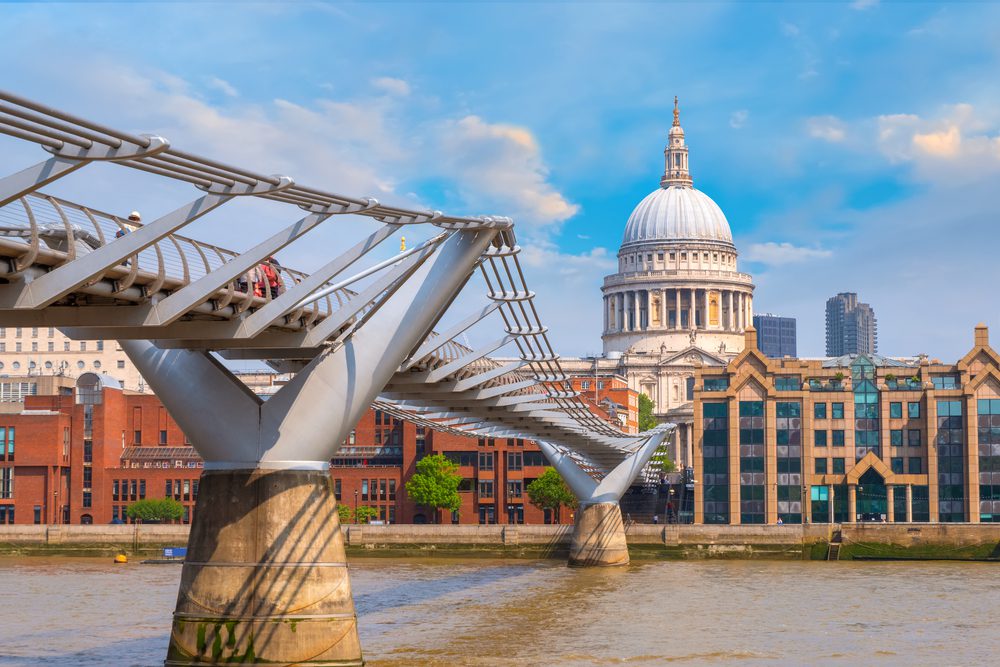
982 337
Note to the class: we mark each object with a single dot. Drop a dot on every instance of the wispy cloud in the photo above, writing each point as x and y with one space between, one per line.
862 5
392 86
223 86
738 119
777 254
827 128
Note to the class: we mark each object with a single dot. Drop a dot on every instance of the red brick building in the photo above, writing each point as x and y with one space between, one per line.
86 453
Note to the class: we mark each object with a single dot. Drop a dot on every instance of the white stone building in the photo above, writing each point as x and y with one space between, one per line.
678 301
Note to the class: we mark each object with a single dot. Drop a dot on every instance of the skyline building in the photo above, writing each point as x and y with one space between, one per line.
851 327
776 335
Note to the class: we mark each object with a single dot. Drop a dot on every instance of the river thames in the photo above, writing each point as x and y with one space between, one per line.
60 611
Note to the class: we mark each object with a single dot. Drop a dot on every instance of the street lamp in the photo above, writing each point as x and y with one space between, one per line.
355 505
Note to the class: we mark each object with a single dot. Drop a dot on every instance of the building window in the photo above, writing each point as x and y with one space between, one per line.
486 461
87 499
485 488
17 348
715 457
838 410
6 483
142 488
114 490
820 466
915 465
716 383
34 347
514 461
788 434
100 346
163 436
17 332
819 438
913 437
751 434
895 410
951 461
487 514
819 411
944 381
989 460
789 383
896 437
83 346
392 489
34 332
52 348
838 438
913 410
838 466
897 464
65 346
364 489
515 488
585 385
88 477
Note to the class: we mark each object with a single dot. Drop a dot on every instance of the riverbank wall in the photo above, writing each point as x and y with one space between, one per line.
942 541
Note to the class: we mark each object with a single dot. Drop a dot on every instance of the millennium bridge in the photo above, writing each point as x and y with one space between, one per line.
265 579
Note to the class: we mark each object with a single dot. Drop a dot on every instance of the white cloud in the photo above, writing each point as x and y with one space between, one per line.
499 167
777 254
738 118
963 137
392 86
223 86
862 5
827 128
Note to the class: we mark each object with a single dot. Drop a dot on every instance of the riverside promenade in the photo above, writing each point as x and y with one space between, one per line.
863 541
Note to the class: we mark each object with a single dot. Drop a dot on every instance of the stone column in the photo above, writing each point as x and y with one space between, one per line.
620 310
663 310
691 309
730 318
852 503
637 323
909 503
677 309
831 494
890 496
607 302
689 445
738 311
704 317
750 308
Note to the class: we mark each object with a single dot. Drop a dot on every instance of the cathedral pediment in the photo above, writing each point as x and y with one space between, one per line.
692 356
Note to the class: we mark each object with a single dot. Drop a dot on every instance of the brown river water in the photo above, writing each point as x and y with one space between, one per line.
60 611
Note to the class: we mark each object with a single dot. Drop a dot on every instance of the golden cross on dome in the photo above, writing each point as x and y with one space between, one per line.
677 113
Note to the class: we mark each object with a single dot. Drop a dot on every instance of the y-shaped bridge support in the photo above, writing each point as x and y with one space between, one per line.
598 531
265 580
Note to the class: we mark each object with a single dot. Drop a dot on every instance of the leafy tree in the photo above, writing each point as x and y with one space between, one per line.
646 419
155 510
667 465
344 513
364 514
435 484
549 492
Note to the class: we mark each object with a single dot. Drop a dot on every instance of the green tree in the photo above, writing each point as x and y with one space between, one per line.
549 492
155 510
646 419
435 484
364 514
667 465
344 513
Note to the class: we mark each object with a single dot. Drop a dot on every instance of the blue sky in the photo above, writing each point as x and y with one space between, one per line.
852 146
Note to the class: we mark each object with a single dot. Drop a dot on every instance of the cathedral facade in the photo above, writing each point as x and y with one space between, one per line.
678 301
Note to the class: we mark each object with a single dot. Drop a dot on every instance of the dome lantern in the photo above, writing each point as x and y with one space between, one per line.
675 155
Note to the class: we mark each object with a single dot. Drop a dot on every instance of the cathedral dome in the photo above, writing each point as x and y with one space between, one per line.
677 213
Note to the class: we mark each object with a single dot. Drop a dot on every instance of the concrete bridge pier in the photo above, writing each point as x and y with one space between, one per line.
265 581
599 531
